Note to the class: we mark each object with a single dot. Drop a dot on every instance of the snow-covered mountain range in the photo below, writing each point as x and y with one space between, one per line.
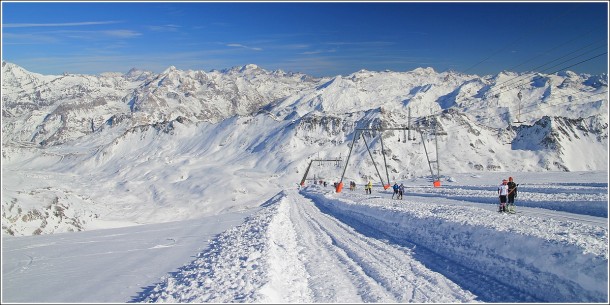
78 150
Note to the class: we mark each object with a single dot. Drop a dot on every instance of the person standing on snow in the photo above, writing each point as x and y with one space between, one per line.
503 192
401 190
395 188
369 187
512 193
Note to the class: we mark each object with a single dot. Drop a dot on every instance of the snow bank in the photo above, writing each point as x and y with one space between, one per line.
554 261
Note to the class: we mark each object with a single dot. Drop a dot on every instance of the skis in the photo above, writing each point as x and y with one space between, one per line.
509 208
508 212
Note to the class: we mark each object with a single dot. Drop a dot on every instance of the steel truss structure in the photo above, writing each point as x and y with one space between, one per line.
424 136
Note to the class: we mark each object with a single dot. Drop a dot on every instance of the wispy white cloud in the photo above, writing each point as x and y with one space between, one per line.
361 43
27 25
318 52
164 28
237 45
12 38
61 35
272 44
295 46
121 33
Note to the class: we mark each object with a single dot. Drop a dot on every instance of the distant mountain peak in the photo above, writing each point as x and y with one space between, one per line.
170 69
135 74
427 70
132 71
250 67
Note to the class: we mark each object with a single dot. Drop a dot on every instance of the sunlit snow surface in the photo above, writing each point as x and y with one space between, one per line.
442 245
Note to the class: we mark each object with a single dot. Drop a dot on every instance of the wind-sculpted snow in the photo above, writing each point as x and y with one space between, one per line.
320 246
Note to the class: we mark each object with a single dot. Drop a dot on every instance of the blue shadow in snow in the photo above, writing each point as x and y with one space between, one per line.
486 288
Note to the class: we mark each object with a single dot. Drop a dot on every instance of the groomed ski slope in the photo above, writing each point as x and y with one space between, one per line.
315 245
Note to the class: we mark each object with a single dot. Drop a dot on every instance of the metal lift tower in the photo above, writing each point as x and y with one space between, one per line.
424 136
358 133
424 132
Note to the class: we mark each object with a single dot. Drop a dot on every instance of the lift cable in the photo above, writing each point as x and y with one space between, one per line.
524 77
513 68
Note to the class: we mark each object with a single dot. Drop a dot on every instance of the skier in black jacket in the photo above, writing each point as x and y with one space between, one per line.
512 193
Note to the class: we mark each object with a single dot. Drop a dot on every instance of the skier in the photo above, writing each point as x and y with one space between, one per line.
512 193
401 190
502 192
395 188
369 187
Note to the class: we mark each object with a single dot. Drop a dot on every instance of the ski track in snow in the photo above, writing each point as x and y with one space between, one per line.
319 246
314 257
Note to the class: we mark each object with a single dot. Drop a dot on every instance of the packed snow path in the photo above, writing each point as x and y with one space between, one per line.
339 264
319 246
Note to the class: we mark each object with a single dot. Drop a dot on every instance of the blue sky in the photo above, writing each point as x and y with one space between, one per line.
319 39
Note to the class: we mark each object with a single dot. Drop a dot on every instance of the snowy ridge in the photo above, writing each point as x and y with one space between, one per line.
50 110
58 108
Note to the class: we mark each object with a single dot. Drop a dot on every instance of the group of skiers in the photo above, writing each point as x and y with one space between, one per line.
322 182
507 192
368 189
398 190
